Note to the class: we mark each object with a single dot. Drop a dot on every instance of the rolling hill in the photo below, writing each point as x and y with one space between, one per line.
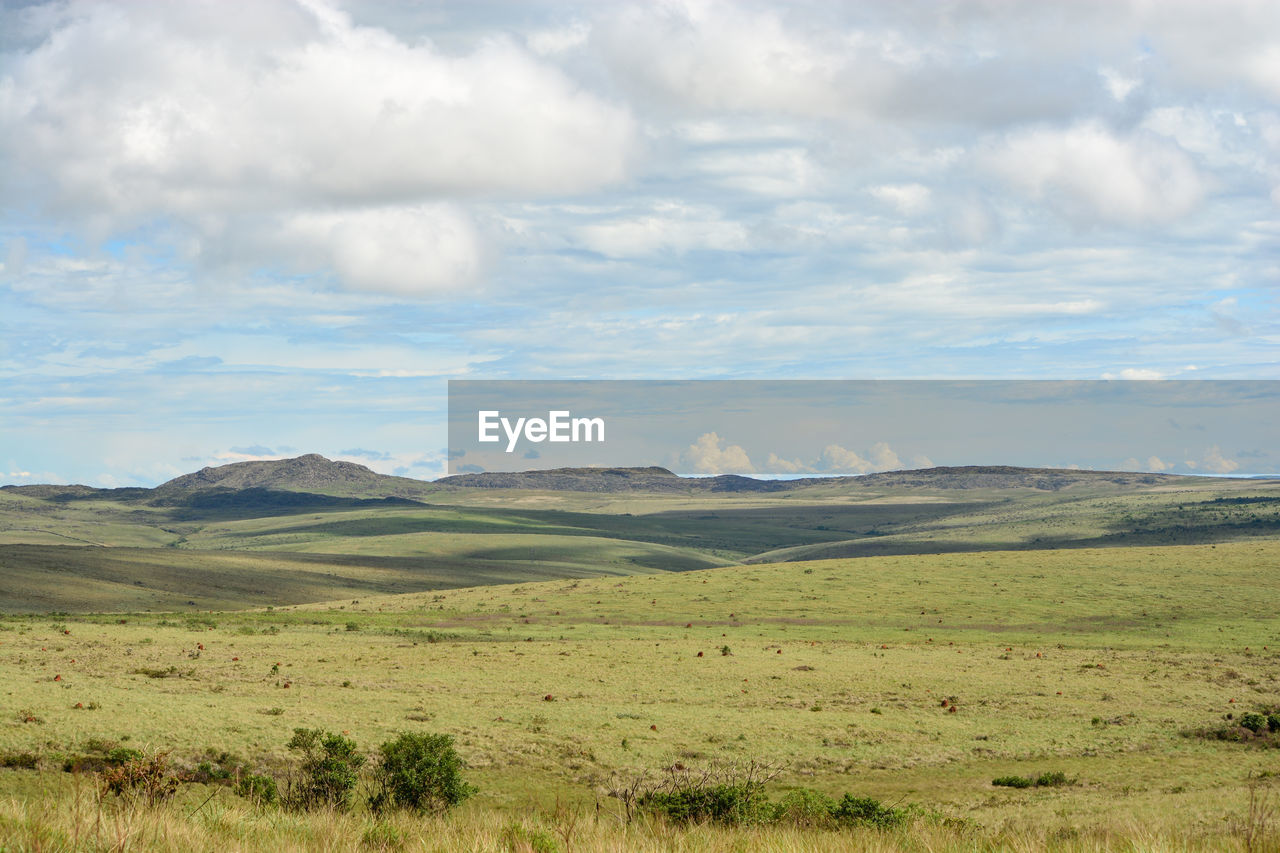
307 529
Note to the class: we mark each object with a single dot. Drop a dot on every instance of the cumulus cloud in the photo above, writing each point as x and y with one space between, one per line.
125 114
778 465
755 58
1135 373
398 250
1089 173
711 455
1215 463
726 57
837 460
1154 464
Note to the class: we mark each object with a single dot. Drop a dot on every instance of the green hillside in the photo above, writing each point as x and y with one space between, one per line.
307 529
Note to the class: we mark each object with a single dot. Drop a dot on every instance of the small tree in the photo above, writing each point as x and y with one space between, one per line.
329 770
421 772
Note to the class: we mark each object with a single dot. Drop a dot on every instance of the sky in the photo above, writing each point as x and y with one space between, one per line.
242 231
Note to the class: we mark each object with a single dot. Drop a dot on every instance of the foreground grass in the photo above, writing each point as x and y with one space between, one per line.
75 819
1090 662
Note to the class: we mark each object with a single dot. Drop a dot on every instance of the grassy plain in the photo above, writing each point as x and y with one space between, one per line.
1093 662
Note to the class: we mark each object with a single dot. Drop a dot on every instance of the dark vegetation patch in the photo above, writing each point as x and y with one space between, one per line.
1260 728
735 795
1051 779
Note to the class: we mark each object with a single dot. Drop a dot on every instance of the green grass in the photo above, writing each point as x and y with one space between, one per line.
1088 662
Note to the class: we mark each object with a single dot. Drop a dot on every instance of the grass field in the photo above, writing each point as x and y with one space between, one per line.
1092 662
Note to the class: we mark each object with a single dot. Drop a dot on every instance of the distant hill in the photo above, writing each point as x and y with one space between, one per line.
661 480
309 473
314 474
261 482
1009 477
652 479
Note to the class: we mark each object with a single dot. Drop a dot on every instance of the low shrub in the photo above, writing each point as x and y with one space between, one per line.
866 811
328 773
419 771
735 796
1051 779
20 760
1012 782
258 789
118 755
1254 721
805 807
146 780
1054 779
731 804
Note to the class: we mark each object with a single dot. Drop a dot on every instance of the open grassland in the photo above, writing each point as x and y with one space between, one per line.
1092 662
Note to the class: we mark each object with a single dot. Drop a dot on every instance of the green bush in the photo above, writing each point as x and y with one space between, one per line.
118 755
258 789
328 773
1273 722
805 807
1012 782
866 811
731 804
20 760
1253 721
419 771
1053 779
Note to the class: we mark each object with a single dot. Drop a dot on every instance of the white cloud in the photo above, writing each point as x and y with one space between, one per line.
723 56
838 460
1090 174
710 455
905 198
778 172
1135 373
1118 85
557 40
399 250
1153 464
1214 462
130 113
669 227
778 465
